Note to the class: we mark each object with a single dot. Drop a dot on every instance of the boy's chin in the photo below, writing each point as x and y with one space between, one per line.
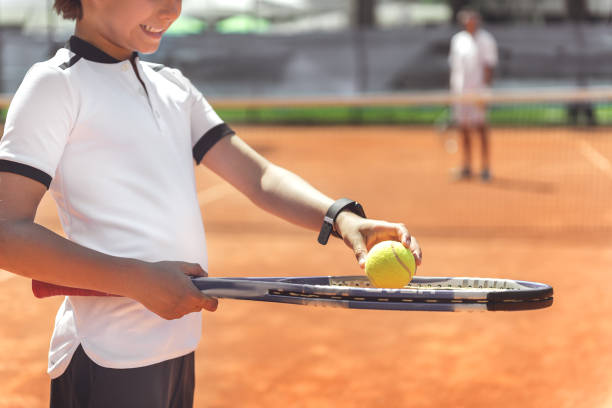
148 49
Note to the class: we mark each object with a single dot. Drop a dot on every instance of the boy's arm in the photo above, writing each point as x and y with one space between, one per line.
288 196
488 74
30 250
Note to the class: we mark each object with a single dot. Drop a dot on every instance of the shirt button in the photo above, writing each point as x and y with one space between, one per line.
124 67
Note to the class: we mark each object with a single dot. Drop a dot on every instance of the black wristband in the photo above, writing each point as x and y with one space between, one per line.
331 215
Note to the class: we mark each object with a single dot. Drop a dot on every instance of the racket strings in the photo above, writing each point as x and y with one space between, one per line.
463 284
348 297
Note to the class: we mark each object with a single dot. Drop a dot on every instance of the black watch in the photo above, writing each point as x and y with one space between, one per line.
331 215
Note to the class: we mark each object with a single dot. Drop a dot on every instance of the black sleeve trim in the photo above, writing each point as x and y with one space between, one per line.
26 171
209 139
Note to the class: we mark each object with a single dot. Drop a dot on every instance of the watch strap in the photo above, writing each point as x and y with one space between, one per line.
336 208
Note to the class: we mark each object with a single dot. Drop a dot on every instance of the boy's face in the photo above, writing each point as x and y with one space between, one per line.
471 24
131 25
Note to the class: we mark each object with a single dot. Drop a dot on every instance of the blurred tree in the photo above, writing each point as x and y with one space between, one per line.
456 6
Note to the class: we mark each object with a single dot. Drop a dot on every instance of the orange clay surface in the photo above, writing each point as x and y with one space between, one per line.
546 217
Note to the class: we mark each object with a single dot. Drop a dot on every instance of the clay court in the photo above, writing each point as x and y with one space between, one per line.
545 217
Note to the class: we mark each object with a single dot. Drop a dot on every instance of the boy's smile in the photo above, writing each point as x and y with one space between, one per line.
152 31
120 27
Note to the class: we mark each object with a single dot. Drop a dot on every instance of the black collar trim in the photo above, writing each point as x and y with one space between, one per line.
91 52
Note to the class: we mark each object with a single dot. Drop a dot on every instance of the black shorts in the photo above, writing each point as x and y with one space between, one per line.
84 384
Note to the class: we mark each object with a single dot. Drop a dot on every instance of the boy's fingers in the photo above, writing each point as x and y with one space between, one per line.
194 269
361 257
206 302
359 248
209 304
410 242
403 234
416 250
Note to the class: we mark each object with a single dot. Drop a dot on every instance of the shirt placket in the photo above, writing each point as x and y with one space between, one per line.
141 89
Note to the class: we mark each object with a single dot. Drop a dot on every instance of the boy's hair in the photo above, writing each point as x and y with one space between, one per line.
69 9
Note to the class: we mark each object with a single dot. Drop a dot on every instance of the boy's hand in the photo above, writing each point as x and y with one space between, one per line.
361 234
168 291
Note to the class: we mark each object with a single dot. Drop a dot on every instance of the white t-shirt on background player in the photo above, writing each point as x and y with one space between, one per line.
468 57
118 158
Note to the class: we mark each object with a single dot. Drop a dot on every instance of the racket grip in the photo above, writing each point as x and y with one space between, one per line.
43 290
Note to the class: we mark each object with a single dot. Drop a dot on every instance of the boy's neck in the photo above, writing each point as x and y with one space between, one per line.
95 38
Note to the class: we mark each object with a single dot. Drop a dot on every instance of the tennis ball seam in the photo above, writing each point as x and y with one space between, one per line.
398 259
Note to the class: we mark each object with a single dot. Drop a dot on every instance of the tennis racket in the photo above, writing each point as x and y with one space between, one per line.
444 126
356 292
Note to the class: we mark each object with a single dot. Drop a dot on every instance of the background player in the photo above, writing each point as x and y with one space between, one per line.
114 139
472 59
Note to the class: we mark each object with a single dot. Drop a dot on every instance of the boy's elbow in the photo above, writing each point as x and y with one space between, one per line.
272 183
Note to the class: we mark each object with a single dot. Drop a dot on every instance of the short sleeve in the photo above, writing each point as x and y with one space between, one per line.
39 121
457 51
489 49
207 128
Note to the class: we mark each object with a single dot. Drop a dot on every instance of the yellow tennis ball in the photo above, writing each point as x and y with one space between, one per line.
390 264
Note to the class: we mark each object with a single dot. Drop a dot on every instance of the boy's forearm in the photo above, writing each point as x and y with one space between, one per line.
288 196
488 74
30 250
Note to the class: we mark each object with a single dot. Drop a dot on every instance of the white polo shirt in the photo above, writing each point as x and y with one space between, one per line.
469 54
115 142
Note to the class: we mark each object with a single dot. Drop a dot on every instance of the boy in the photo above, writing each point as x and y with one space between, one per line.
114 139
472 58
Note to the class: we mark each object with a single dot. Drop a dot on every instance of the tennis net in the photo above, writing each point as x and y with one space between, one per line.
551 153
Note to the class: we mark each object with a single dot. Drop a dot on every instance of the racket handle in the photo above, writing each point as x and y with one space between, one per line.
44 290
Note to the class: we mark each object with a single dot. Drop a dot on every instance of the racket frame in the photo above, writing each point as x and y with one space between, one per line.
355 292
